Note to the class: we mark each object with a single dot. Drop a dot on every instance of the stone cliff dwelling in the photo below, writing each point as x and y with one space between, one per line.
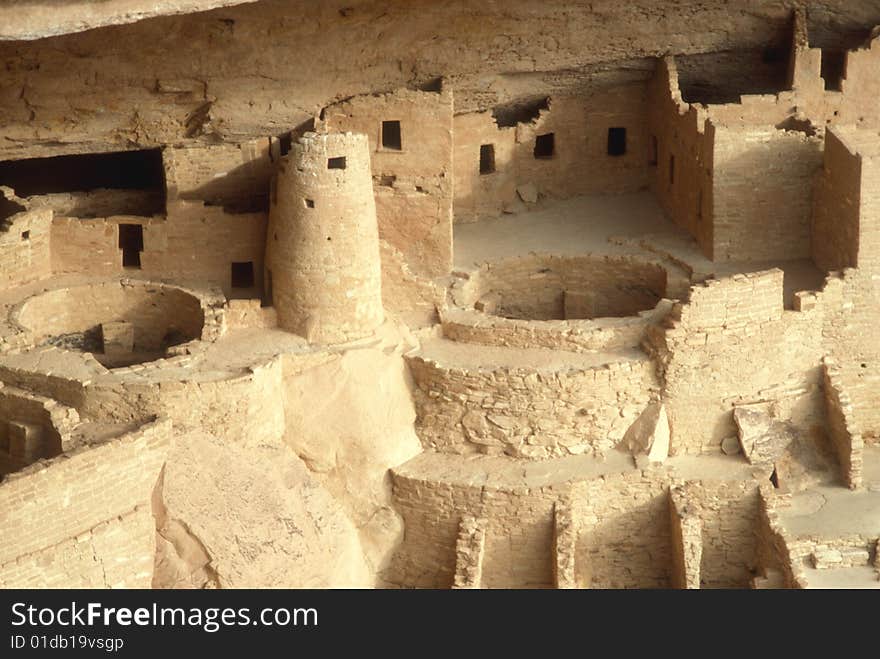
448 295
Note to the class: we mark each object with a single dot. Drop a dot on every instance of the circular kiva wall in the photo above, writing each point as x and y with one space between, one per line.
120 322
546 287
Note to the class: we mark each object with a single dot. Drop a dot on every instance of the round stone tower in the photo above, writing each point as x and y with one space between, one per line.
323 268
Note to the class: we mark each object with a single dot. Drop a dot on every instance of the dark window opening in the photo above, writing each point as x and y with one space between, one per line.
487 159
125 170
310 203
391 135
616 141
522 111
285 142
833 69
655 152
700 205
774 478
336 163
545 145
243 274
774 55
131 182
8 207
131 242
671 170
25 235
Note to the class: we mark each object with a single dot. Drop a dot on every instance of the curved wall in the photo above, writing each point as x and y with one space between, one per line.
323 240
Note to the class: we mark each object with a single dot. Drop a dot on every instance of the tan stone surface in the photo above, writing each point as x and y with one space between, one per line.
419 294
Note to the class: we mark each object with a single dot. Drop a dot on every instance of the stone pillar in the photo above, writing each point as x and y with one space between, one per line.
323 240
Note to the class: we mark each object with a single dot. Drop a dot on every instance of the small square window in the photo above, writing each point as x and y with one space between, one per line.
25 235
616 141
243 274
310 203
487 159
545 145
391 138
336 163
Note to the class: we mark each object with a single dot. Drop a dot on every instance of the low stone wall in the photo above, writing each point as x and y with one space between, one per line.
46 423
91 505
774 542
526 412
605 531
533 287
846 439
602 334
153 309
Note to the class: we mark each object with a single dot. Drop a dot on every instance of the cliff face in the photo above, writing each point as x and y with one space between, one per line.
261 68
30 19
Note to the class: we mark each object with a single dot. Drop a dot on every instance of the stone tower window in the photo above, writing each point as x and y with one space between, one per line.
487 159
309 203
391 138
25 235
545 145
336 163
616 141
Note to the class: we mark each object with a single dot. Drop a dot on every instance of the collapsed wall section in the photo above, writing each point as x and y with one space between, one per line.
732 344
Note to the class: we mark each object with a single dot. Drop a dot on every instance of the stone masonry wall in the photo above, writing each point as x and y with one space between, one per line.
580 162
534 286
762 181
733 344
153 309
846 439
25 247
323 250
413 184
836 204
681 164
528 412
91 246
80 496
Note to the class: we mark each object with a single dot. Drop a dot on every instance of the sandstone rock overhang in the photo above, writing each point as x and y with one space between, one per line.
26 20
